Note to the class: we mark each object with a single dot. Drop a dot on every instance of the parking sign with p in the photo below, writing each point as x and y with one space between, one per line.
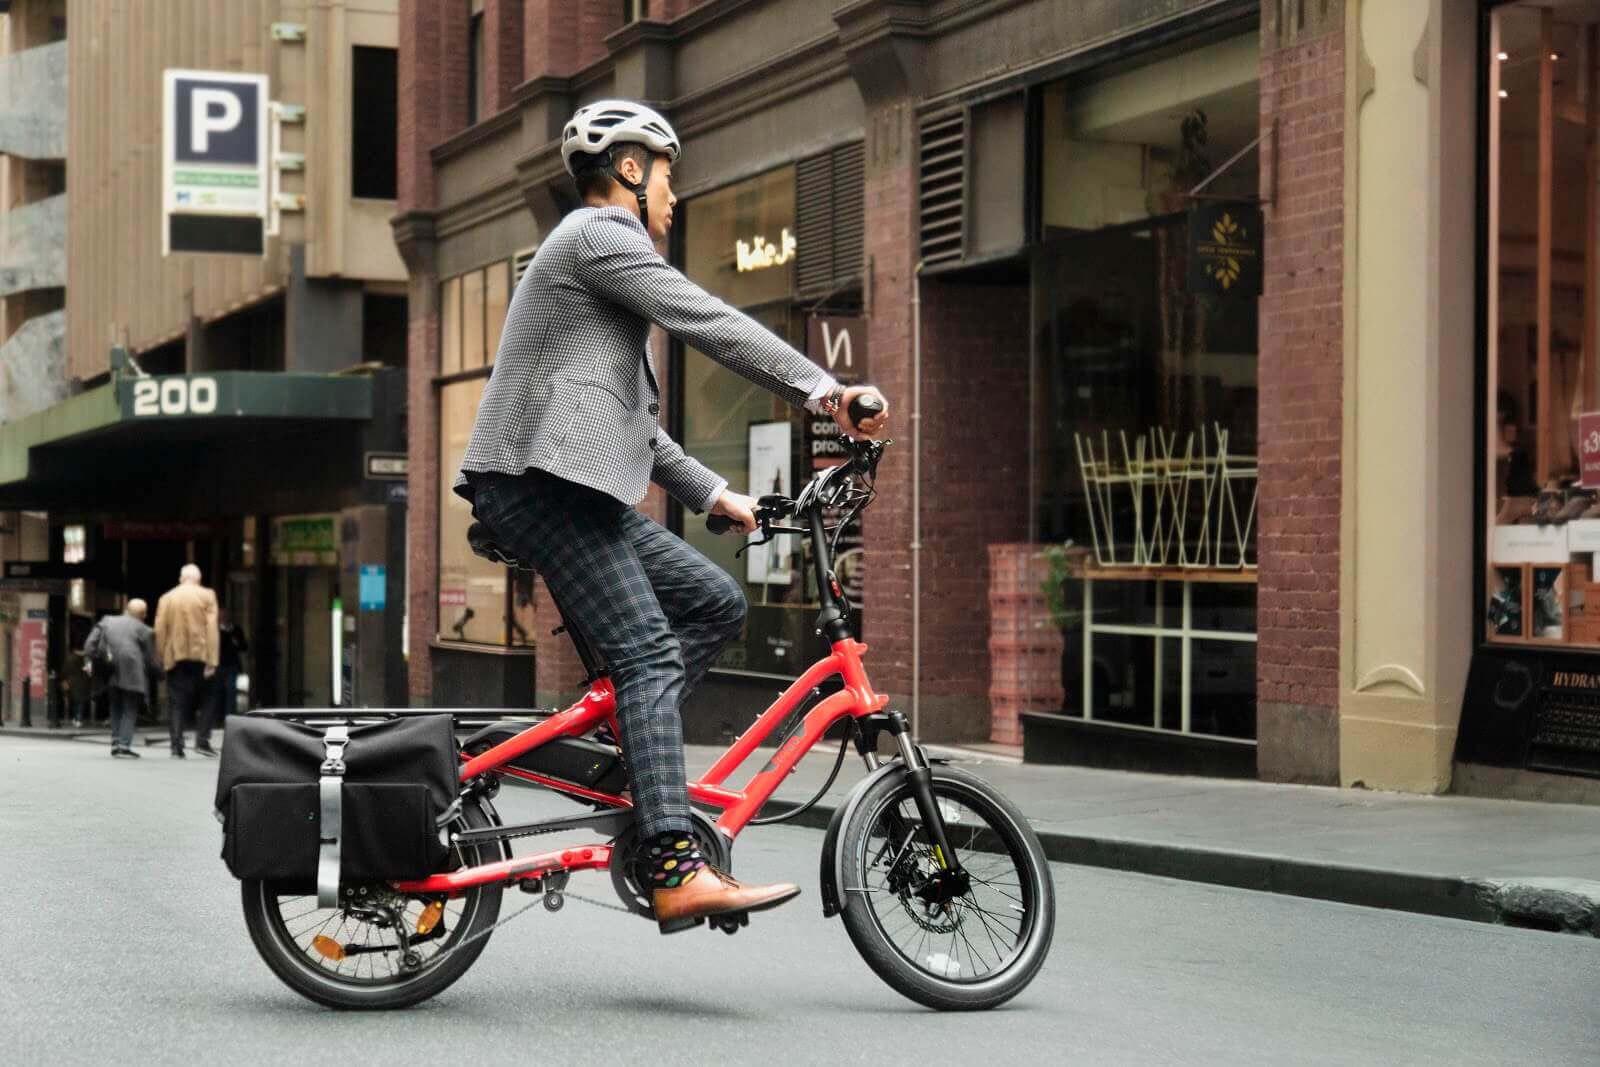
214 162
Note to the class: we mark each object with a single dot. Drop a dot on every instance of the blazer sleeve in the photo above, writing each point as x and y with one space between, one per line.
620 264
91 647
685 477
147 642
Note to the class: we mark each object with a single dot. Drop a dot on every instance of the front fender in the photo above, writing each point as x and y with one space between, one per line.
832 849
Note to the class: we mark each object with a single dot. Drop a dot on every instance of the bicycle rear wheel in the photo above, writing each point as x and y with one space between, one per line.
973 952
350 957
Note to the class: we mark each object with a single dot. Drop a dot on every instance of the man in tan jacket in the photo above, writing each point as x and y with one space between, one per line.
186 641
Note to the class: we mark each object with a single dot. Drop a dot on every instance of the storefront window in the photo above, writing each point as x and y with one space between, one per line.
479 601
1145 385
1543 399
740 244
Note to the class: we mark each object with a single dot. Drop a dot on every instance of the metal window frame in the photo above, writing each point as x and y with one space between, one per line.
1185 633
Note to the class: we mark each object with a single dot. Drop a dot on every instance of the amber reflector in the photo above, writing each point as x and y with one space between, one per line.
429 918
328 947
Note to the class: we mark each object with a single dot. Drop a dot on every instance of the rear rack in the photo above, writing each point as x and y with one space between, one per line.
462 718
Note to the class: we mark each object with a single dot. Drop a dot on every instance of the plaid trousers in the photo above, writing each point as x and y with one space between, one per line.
653 607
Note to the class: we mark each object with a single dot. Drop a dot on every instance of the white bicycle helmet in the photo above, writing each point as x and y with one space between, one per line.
595 127
589 135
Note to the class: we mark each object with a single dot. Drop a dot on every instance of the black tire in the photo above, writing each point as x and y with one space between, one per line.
872 882
311 978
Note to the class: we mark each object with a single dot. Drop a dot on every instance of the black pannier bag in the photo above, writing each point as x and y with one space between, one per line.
389 784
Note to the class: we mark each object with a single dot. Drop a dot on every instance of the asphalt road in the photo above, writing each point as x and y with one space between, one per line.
121 941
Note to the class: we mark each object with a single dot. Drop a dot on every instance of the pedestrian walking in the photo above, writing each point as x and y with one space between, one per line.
132 649
230 663
187 642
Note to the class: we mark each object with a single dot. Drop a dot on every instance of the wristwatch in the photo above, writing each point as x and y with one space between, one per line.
829 404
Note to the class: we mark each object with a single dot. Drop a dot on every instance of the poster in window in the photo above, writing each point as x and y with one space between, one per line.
1506 605
1548 596
771 471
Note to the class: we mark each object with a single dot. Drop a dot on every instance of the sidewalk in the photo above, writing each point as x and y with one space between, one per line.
1506 861
1529 864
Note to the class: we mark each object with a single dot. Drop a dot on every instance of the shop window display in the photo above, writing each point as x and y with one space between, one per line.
1543 437
479 602
1145 386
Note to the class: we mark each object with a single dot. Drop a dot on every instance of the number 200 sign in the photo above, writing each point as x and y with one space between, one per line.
174 396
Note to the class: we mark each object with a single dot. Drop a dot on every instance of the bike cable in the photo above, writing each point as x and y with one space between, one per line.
790 813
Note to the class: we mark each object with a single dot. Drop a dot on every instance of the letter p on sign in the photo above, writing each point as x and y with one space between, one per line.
211 111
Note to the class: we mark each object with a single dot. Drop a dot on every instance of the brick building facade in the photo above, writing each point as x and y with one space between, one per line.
1302 355
1030 179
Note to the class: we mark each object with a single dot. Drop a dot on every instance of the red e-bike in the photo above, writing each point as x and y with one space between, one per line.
939 880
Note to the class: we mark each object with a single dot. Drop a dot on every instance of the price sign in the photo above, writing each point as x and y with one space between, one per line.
1589 448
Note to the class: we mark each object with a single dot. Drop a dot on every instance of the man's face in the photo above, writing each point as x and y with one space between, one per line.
658 194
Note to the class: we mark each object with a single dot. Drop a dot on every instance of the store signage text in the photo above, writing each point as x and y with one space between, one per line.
1225 249
174 396
839 343
1575 680
758 253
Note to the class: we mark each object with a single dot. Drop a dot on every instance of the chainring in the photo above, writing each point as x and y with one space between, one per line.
626 880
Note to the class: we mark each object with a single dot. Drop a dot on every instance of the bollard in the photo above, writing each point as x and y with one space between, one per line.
52 693
27 701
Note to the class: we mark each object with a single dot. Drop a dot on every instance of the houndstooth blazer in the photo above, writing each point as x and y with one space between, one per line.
573 392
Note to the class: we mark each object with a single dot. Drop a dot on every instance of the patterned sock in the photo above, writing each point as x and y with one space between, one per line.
674 859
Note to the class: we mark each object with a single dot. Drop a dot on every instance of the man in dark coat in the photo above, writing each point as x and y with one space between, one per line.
132 646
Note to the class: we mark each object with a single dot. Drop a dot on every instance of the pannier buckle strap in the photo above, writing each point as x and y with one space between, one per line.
330 788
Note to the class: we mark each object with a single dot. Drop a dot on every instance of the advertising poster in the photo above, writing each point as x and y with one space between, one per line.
771 471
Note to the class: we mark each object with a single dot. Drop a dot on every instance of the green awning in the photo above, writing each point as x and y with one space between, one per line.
156 416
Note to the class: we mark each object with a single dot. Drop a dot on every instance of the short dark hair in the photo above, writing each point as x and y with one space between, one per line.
592 179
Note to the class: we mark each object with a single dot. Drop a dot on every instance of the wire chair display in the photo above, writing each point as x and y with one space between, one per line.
1191 507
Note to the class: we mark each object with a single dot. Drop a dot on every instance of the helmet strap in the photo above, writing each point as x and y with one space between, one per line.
639 189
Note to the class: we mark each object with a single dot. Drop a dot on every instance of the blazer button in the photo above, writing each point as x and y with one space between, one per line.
653 444
655 409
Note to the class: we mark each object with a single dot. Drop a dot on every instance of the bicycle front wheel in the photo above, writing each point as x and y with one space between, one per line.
975 951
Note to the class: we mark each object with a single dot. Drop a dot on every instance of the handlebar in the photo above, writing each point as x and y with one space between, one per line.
864 456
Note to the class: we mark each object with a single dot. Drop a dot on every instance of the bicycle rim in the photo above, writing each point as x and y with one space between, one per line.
318 942
977 936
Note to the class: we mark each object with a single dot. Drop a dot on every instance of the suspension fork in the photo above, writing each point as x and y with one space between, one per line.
952 876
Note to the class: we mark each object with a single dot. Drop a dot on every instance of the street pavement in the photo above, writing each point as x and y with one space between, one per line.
123 942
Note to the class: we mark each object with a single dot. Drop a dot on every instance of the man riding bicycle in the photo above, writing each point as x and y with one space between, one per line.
567 439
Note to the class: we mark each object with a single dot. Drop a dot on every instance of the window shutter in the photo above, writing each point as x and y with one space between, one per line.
829 215
942 187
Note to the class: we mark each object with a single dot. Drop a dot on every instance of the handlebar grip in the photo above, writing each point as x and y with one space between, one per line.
719 524
865 406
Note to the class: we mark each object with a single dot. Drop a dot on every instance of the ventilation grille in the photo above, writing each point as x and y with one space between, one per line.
519 264
829 216
942 190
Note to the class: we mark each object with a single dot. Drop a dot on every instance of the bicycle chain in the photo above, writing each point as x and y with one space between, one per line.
447 953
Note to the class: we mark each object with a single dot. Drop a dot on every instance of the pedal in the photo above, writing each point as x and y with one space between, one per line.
730 923
679 925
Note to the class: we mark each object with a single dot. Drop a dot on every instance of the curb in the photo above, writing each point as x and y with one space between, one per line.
1565 905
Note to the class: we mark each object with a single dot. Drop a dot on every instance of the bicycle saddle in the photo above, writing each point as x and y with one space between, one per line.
483 544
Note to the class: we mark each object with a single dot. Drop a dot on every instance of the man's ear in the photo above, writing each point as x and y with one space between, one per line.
629 168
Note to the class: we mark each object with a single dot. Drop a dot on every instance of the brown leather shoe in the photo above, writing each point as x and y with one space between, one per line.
710 892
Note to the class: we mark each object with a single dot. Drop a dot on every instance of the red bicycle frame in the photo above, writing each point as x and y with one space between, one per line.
738 806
